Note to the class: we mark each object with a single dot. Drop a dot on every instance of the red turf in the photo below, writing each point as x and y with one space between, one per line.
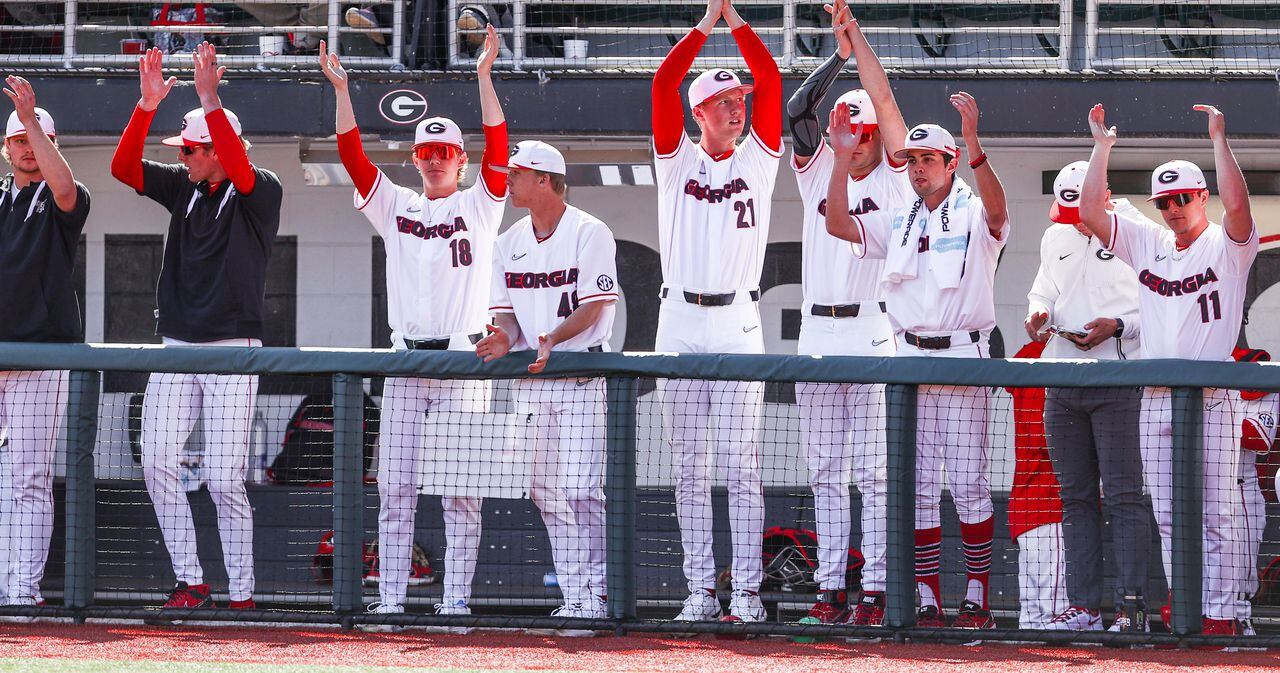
491 650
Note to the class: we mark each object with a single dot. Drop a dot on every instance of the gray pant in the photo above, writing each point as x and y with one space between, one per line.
1093 435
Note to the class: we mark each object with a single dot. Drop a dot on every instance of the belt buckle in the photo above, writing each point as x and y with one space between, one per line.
833 310
699 296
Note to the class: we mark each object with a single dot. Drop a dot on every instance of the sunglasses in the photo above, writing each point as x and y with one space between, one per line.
188 150
443 152
1162 203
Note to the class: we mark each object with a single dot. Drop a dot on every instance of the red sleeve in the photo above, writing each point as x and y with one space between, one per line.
766 107
495 154
126 164
231 152
362 171
668 109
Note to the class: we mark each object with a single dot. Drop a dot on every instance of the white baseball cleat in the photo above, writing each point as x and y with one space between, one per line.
746 606
383 609
458 607
701 606
568 610
19 601
1076 619
595 607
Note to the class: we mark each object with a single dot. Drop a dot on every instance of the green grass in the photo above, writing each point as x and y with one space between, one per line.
104 666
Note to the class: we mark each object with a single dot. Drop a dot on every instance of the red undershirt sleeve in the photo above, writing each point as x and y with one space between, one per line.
766 107
231 152
362 171
495 154
668 109
126 163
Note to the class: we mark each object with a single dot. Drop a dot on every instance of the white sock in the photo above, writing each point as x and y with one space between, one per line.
926 595
974 592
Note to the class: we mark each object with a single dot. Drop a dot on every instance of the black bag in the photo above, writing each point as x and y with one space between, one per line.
306 456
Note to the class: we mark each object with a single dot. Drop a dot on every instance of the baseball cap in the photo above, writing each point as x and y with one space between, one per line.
195 129
437 130
534 155
1176 177
929 137
15 127
1066 193
712 83
861 111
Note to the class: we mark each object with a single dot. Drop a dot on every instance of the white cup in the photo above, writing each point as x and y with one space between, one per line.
270 45
575 49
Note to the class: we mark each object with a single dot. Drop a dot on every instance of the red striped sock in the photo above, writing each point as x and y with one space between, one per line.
928 562
977 539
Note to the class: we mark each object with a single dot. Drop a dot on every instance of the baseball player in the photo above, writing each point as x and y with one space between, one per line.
714 200
1193 276
844 314
224 214
439 245
940 257
42 212
554 289
1258 410
1035 509
1084 303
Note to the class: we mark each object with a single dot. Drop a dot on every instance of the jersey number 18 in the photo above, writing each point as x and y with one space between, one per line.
461 248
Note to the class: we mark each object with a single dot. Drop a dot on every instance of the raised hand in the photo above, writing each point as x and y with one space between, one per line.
208 73
544 354
1034 325
841 19
1098 127
843 138
332 68
151 80
967 106
23 97
494 346
489 54
1217 122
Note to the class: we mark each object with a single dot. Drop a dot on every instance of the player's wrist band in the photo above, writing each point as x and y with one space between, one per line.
1119 328
982 159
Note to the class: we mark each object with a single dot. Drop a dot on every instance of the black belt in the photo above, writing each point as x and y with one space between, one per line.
596 349
709 299
435 344
839 311
938 343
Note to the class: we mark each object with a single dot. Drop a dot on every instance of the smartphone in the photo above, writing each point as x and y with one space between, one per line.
1067 332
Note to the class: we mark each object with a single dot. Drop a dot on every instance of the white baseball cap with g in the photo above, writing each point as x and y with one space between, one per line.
1176 177
861 111
712 83
15 127
1066 193
929 137
441 130
535 155
195 129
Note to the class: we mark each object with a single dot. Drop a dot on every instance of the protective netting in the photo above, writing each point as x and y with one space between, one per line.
1036 35
767 502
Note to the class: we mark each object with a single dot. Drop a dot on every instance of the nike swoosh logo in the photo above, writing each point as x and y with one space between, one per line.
583 382
877 343
748 329
515 257
1211 407
413 210
1159 257
1065 256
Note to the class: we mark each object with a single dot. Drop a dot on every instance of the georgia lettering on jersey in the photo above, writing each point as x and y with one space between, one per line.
713 216
543 282
438 256
832 273
1192 300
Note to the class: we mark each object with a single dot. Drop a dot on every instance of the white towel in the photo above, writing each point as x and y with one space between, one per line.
948 229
